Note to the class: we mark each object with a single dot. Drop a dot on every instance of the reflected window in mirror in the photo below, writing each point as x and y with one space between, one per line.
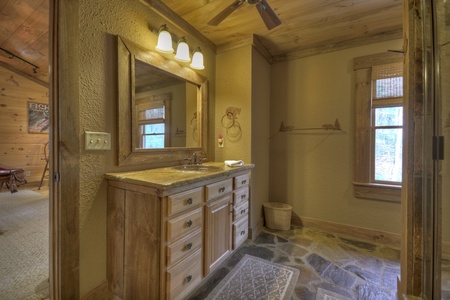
153 116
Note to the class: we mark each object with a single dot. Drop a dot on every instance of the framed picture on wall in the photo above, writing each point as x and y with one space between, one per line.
38 118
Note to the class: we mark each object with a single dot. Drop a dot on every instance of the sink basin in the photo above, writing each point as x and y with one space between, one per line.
196 168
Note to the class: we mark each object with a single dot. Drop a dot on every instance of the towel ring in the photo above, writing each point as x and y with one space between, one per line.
194 125
229 116
234 132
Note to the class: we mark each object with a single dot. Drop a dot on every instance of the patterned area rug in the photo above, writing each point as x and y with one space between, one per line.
256 278
24 243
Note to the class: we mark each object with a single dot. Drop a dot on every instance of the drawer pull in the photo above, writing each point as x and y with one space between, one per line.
189 201
244 182
188 246
189 223
242 211
188 278
243 196
222 189
242 232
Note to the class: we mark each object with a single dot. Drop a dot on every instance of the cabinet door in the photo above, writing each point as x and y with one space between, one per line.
217 232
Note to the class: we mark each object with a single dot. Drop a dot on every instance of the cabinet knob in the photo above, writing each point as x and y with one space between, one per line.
242 232
222 189
189 223
188 278
189 201
242 211
188 246
243 182
243 196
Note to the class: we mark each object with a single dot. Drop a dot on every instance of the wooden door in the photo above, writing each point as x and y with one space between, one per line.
217 232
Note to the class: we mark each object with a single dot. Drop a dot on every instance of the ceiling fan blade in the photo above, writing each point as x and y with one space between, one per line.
225 13
269 17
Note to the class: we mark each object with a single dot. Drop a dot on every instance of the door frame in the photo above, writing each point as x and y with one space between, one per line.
64 149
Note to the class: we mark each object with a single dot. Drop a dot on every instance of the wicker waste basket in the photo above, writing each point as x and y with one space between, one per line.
277 215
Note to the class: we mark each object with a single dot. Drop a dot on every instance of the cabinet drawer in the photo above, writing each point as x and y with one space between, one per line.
241 195
240 232
240 211
184 277
184 200
185 223
241 180
218 189
183 247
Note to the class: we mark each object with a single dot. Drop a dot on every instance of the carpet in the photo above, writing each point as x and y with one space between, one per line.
256 278
24 245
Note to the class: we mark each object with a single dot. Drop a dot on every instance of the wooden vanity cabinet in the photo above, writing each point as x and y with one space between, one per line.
241 206
162 243
218 214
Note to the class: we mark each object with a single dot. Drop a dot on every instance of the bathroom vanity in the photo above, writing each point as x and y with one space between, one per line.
169 228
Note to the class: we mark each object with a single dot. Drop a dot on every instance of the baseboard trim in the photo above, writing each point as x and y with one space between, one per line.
256 229
365 234
98 293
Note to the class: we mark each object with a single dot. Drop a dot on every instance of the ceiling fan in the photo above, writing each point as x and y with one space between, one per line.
269 17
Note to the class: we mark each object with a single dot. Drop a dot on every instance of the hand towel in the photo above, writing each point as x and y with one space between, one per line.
234 163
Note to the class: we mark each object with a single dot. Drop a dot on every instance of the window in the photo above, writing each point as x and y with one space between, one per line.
378 126
152 117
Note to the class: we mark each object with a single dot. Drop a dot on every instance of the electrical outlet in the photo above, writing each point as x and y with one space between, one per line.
97 140
27 173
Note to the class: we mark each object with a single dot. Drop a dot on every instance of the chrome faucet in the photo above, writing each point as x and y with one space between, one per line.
195 160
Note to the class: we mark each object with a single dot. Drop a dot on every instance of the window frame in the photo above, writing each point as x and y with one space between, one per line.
391 102
155 101
363 185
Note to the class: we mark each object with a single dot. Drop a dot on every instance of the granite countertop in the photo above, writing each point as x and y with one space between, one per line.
168 178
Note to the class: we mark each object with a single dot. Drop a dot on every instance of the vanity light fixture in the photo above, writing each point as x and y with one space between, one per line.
197 60
164 40
165 45
182 50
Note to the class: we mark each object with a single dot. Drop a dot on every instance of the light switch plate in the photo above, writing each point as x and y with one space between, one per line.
97 140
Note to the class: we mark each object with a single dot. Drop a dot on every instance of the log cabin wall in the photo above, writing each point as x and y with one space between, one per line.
18 147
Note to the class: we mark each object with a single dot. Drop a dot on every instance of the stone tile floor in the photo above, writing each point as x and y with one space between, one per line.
331 266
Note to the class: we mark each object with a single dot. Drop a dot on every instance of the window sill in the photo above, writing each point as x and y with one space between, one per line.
385 192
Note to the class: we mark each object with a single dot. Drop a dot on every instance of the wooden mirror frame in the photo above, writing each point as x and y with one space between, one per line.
128 154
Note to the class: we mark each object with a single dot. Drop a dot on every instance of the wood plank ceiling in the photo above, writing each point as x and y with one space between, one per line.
24 30
308 27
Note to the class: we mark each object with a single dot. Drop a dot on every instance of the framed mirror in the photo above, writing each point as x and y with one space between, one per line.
161 108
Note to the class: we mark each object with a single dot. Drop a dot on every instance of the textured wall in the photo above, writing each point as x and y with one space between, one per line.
243 81
260 135
233 89
313 170
100 22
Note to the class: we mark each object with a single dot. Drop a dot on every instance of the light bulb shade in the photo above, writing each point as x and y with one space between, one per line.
182 51
164 40
197 60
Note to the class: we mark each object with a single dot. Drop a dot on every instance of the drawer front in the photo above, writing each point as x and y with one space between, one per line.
184 247
240 232
185 223
241 180
218 189
184 277
240 211
241 195
184 200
